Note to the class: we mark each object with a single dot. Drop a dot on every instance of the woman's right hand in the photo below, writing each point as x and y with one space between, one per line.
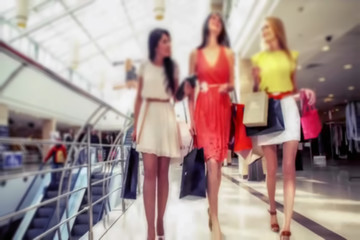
310 95
133 135
187 88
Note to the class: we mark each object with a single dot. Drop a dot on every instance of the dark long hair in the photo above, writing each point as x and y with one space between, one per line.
222 39
169 65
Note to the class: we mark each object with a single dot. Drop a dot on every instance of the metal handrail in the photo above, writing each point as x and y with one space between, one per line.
4 178
67 198
41 172
67 210
121 142
105 179
75 215
26 141
105 196
59 224
28 189
111 161
29 174
24 196
24 210
87 126
106 184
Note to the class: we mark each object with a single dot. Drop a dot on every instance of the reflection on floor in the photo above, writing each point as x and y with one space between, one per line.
325 203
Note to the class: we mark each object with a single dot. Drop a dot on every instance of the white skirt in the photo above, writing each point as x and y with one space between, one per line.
159 133
292 130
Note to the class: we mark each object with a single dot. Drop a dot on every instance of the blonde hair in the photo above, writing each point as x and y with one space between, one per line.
278 28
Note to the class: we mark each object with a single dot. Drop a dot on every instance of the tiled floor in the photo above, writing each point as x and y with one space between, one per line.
325 202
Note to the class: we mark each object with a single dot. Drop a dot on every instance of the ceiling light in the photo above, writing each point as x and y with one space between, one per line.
326 48
347 66
331 95
326 100
351 88
159 9
337 110
22 13
322 79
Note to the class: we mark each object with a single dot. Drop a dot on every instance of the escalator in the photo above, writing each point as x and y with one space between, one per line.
46 216
81 225
128 139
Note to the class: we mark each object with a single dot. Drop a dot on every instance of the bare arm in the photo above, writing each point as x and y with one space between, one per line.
138 102
296 93
309 93
257 79
229 86
231 58
189 91
176 78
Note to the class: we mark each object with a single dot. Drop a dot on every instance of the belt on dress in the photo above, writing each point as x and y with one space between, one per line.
204 86
147 101
280 95
157 100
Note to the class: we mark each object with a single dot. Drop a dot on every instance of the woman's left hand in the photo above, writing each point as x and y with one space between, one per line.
310 95
224 88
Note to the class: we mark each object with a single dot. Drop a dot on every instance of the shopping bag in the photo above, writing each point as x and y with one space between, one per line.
130 179
275 120
299 161
310 120
256 172
256 109
193 179
242 141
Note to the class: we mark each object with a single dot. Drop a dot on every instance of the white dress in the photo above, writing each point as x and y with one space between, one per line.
159 133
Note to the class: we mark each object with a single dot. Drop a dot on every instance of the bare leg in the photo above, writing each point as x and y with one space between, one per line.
163 192
214 180
271 168
289 152
150 173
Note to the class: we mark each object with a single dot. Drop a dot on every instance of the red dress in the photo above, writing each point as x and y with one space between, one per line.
213 109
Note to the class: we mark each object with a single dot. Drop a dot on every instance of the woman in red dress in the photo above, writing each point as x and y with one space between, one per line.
213 63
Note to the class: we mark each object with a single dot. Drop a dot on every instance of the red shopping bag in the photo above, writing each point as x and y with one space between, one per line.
310 120
242 141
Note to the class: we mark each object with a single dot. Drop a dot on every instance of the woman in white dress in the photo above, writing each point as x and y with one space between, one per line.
155 130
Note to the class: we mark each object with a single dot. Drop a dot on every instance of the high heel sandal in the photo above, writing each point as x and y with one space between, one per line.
210 222
285 235
274 227
161 237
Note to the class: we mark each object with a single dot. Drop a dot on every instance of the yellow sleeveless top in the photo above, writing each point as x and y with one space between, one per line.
275 70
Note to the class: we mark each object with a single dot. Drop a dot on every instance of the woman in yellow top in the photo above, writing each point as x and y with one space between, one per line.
274 72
